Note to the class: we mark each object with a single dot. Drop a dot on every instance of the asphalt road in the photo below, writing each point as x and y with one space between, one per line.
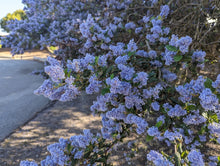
18 104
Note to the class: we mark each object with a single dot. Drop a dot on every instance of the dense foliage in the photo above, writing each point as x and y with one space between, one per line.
124 51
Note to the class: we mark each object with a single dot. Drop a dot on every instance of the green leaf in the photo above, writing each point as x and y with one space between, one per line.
69 73
203 130
96 60
214 117
208 84
105 90
112 76
149 138
190 107
177 58
171 48
160 123
184 154
159 18
218 95
131 53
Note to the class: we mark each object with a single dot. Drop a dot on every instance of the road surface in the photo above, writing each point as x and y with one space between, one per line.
18 104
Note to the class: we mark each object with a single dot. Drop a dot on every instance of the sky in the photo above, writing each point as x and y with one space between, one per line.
9 6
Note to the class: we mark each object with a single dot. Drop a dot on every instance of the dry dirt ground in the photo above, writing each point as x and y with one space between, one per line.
64 120
29 55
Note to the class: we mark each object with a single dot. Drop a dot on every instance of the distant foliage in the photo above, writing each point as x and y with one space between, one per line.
17 15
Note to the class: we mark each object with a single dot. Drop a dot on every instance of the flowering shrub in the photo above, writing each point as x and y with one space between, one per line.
123 52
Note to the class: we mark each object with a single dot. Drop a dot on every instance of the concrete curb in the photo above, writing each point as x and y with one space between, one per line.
39 59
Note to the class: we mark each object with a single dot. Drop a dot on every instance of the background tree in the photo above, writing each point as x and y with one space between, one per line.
18 15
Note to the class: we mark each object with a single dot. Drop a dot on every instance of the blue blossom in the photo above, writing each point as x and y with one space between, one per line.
172 135
168 59
161 118
156 22
28 163
216 84
48 162
108 127
198 85
202 138
102 60
94 85
173 40
117 20
130 25
113 27
164 11
45 89
88 59
146 19
213 158
142 53
78 155
132 46
167 106
168 56
152 54
168 76
138 30
57 153
166 30
153 131
126 72
53 61
74 65
155 105
156 63
152 92
117 50
183 44
56 94
214 130
56 73
81 141
154 2
158 159
140 122
117 113
208 100
141 78
118 86
176 111
156 29
164 40
70 93
195 158
199 56
85 27
100 104
88 44
70 80
188 140
211 163
185 93
194 119
151 38
134 100
121 59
